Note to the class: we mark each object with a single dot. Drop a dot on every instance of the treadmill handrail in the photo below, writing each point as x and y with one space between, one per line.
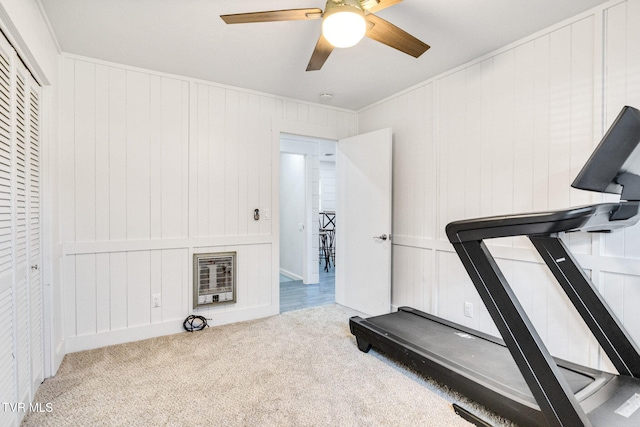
603 217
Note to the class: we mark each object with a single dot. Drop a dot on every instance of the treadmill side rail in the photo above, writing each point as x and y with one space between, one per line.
606 328
557 402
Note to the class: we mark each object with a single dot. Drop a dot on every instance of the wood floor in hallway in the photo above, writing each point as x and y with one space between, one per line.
295 295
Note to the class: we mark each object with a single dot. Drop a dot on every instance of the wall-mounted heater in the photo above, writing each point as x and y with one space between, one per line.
214 278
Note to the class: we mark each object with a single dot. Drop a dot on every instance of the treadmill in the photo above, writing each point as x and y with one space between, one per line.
516 376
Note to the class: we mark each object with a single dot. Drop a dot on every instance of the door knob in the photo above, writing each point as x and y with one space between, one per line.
383 237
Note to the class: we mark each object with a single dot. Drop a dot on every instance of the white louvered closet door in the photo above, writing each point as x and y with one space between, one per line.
7 296
35 254
21 328
21 139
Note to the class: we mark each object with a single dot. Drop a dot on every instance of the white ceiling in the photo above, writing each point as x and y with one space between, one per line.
188 38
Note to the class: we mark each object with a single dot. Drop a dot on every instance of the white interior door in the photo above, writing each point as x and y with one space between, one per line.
363 217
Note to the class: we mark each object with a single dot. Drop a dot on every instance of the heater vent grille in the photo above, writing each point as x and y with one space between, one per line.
214 278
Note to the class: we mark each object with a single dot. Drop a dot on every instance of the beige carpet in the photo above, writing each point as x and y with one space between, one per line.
300 368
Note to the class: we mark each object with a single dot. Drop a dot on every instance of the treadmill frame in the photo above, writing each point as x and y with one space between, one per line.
558 405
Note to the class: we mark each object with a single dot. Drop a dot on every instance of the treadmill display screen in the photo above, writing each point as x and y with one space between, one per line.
616 161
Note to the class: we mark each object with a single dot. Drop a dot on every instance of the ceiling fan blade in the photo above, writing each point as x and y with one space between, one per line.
382 5
320 54
272 15
387 33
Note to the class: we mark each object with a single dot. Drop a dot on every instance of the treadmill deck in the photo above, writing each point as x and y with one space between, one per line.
481 367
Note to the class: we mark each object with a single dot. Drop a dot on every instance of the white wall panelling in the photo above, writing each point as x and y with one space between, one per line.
508 133
292 214
155 168
327 170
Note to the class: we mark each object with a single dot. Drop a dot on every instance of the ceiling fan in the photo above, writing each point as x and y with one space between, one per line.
344 23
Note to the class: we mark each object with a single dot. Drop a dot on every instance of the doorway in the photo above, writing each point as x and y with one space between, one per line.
307 235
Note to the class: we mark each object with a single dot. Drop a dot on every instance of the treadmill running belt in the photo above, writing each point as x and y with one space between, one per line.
469 354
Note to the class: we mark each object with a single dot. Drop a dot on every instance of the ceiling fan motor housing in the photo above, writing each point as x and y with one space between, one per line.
368 4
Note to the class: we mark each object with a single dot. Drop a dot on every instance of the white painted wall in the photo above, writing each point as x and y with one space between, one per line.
292 214
155 168
508 133
328 185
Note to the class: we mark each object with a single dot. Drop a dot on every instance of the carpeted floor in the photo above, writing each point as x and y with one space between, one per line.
300 368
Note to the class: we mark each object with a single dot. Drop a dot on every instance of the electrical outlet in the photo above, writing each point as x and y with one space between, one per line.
468 309
155 301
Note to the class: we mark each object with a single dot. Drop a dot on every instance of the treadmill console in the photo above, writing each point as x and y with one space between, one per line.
614 166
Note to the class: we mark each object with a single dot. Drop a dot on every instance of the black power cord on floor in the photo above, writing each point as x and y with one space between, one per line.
195 323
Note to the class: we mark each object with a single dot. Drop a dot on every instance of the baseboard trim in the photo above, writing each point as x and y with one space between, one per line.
58 356
169 327
290 275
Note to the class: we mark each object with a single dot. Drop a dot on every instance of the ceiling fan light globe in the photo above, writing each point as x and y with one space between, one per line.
344 28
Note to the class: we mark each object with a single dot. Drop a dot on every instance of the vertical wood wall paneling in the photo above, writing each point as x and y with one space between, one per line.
119 301
86 308
523 131
560 117
138 155
503 160
198 157
85 152
156 267
430 161
157 129
231 164
117 120
253 161
103 195
141 148
103 293
217 188
102 154
541 134
243 179
138 288
471 172
583 74
174 265
486 138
